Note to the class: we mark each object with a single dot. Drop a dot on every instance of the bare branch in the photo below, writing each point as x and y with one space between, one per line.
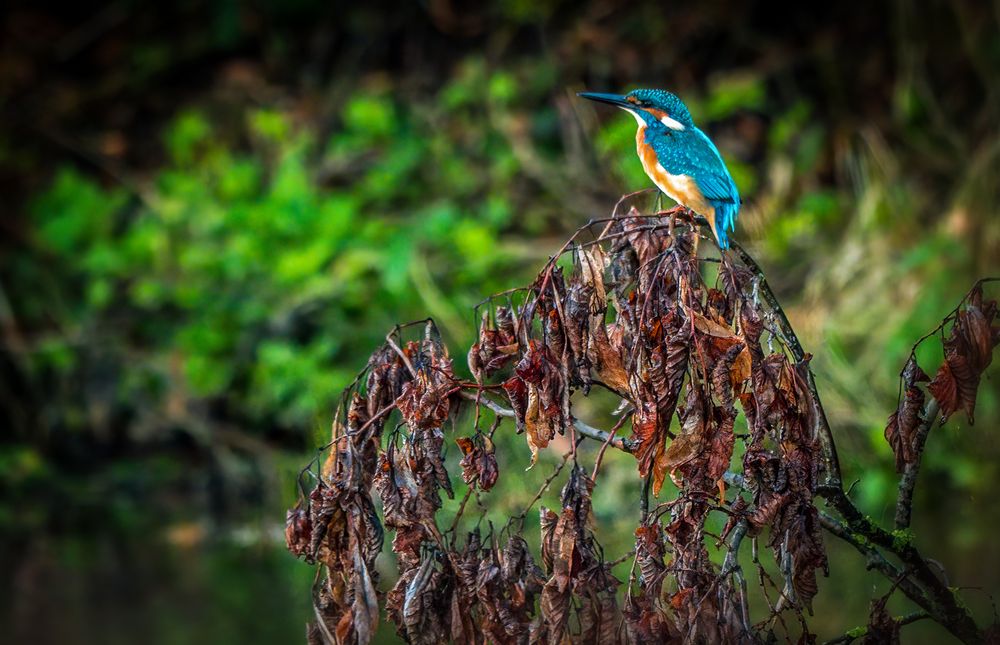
584 429
874 560
944 606
904 500
855 634
832 461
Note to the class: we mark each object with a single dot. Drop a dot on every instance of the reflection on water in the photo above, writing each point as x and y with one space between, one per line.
187 586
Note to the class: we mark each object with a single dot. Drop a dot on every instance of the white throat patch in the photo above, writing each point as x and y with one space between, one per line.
638 119
673 124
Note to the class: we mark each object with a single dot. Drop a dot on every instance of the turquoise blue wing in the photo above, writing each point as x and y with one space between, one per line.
693 154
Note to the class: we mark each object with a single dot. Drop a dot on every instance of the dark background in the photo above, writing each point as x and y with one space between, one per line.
212 213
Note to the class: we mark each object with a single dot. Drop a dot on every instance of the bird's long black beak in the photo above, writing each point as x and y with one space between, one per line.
611 99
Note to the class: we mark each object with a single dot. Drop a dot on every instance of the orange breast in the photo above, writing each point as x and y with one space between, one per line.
680 188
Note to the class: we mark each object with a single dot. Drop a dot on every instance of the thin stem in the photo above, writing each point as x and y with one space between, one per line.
904 500
545 486
731 566
944 321
584 429
604 446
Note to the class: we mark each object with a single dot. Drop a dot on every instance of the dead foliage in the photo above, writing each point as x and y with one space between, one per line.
968 351
686 343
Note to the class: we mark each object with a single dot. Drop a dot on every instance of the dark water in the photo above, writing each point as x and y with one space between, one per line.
192 585
185 586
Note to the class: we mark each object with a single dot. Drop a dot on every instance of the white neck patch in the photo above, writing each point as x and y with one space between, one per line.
673 124
638 119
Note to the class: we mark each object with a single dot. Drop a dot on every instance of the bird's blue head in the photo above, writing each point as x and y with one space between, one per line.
649 106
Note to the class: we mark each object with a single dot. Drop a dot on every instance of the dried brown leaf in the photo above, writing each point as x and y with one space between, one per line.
605 356
968 351
517 394
298 531
365 606
593 261
883 629
901 429
479 463
690 442
710 327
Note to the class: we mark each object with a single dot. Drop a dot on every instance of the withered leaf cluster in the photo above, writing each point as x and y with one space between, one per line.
698 362
968 351
479 463
572 560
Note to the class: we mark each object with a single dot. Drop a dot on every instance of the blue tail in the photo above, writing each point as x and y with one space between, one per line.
725 220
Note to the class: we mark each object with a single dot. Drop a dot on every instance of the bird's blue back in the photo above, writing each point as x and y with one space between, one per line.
690 152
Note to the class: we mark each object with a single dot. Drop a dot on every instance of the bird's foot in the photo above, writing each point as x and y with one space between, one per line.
671 212
686 214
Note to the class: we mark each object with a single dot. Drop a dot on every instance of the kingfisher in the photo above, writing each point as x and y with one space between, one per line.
680 159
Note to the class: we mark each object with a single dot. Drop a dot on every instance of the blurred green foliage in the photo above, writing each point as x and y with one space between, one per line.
234 274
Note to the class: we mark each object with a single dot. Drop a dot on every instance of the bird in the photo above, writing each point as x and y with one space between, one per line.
680 159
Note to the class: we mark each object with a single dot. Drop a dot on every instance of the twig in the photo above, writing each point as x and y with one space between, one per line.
904 500
644 500
545 486
874 559
461 511
731 565
944 321
401 353
855 634
604 446
621 559
584 429
833 477
944 606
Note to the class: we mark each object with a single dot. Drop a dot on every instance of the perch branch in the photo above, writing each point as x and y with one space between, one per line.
925 588
914 574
